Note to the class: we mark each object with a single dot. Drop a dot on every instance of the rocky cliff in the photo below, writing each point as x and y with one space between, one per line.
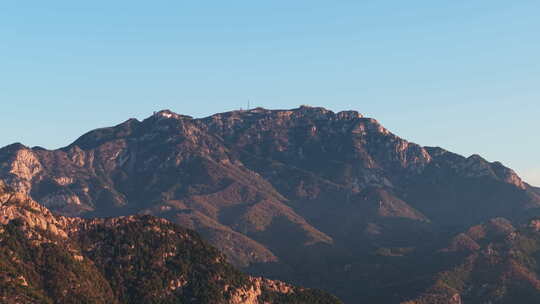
306 195
136 259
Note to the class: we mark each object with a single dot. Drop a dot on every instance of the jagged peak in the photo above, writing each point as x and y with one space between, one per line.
258 110
312 109
304 111
15 147
18 206
321 112
168 114
349 114
131 121
476 157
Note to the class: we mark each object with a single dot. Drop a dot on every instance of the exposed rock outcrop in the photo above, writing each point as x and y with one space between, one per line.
294 194
46 258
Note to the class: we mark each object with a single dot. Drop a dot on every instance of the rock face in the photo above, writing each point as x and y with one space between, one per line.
135 259
306 195
500 268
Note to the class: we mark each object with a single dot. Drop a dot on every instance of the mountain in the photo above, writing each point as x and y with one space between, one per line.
136 259
322 199
493 262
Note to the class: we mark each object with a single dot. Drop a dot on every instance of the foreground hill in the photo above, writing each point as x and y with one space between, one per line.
137 259
324 199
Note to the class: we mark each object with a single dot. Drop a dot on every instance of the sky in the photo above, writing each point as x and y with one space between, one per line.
462 75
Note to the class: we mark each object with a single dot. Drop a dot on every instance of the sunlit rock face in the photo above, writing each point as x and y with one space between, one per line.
19 166
295 194
48 258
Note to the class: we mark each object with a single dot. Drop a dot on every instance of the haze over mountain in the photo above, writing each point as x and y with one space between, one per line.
309 196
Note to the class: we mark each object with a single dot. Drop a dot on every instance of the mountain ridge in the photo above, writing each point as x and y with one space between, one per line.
293 194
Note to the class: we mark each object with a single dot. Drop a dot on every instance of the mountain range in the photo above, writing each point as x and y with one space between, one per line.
326 200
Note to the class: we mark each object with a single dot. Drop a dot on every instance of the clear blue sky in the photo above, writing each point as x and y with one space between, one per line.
464 75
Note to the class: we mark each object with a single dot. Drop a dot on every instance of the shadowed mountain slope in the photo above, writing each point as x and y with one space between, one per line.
136 259
306 195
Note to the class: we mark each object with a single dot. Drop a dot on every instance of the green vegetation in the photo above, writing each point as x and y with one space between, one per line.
504 270
40 271
140 259
161 253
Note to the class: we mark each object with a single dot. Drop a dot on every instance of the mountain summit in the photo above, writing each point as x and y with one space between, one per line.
329 200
